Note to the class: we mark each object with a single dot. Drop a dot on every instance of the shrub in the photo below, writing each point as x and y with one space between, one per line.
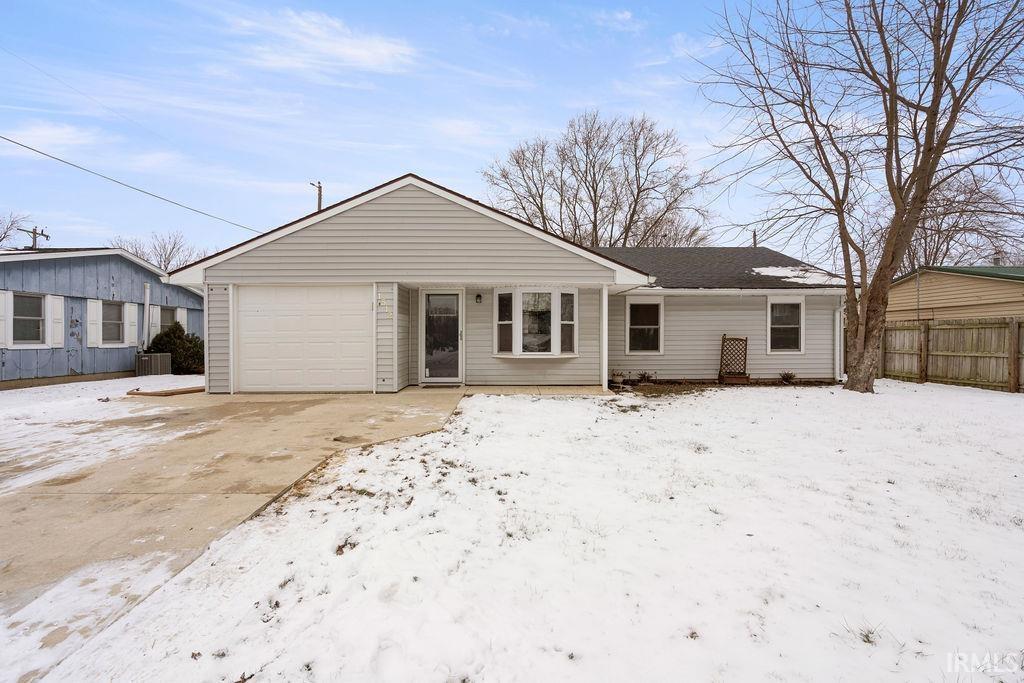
787 377
186 350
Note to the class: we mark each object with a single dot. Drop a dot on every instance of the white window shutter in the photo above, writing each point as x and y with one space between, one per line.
154 323
6 318
55 321
181 315
131 324
93 320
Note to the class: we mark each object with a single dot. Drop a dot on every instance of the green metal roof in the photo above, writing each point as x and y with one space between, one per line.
1015 273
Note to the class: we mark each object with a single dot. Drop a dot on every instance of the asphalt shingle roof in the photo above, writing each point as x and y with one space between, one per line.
716 267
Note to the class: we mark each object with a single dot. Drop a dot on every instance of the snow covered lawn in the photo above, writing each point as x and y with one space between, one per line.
54 430
741 534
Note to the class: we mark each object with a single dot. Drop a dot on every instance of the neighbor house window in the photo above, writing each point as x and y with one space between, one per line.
535 322
644 324
785 325
167 318
504 330
29 327
113 323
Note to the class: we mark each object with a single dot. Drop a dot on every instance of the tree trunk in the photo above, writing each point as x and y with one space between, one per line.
861 371
862 365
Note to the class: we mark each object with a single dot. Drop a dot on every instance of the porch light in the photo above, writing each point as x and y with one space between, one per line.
479 298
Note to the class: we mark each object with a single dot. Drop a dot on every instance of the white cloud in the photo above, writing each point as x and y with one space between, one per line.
618 20
683 46
53 138
317 44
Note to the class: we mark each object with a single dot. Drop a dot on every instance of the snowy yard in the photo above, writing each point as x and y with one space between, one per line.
54 430
743 534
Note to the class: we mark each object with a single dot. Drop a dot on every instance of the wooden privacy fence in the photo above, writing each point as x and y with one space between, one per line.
977 352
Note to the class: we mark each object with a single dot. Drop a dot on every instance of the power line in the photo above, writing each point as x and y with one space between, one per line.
83 94
130 187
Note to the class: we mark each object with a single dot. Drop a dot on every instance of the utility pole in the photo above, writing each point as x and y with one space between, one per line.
319 195
755 237
36 233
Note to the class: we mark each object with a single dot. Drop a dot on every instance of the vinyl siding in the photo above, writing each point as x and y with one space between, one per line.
410 235
482 368
694 326
403 340
385 312
218 340
950 296
106 277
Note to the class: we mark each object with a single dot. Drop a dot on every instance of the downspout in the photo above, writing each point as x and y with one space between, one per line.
145 315
604 337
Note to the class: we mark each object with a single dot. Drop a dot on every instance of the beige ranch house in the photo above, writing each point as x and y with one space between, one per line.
410 283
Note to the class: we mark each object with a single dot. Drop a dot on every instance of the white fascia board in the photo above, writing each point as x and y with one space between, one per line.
194 274
811 291
42 256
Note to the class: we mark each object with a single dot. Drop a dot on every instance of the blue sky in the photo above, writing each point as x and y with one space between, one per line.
235 107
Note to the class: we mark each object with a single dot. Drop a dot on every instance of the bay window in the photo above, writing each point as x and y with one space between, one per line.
534 321
568 326
503 315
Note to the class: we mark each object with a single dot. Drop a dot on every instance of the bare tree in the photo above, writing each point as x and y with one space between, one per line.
9 226
604 182
841 101
963 224
166 251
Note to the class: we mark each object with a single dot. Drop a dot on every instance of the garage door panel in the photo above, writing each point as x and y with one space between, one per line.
316 338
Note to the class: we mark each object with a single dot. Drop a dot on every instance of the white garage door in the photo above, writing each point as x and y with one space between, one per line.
304 338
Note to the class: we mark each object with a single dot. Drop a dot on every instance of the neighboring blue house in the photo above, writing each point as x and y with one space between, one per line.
83 311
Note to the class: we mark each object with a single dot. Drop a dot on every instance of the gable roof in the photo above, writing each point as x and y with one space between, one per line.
725 268
638 276
1015 273
75 252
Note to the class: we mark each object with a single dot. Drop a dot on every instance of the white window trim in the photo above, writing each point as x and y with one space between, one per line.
575 324
517 322
53 322
768 323
33 345
123 344
512 322
660 300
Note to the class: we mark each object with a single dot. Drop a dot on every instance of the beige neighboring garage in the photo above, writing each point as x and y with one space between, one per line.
304 338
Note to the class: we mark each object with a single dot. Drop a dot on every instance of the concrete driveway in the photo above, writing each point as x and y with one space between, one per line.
153 511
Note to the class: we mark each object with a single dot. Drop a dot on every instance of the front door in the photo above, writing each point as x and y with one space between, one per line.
442 336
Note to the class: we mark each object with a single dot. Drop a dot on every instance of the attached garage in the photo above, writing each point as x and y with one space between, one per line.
304 338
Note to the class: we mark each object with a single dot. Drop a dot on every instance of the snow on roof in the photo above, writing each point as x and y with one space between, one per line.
804 275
